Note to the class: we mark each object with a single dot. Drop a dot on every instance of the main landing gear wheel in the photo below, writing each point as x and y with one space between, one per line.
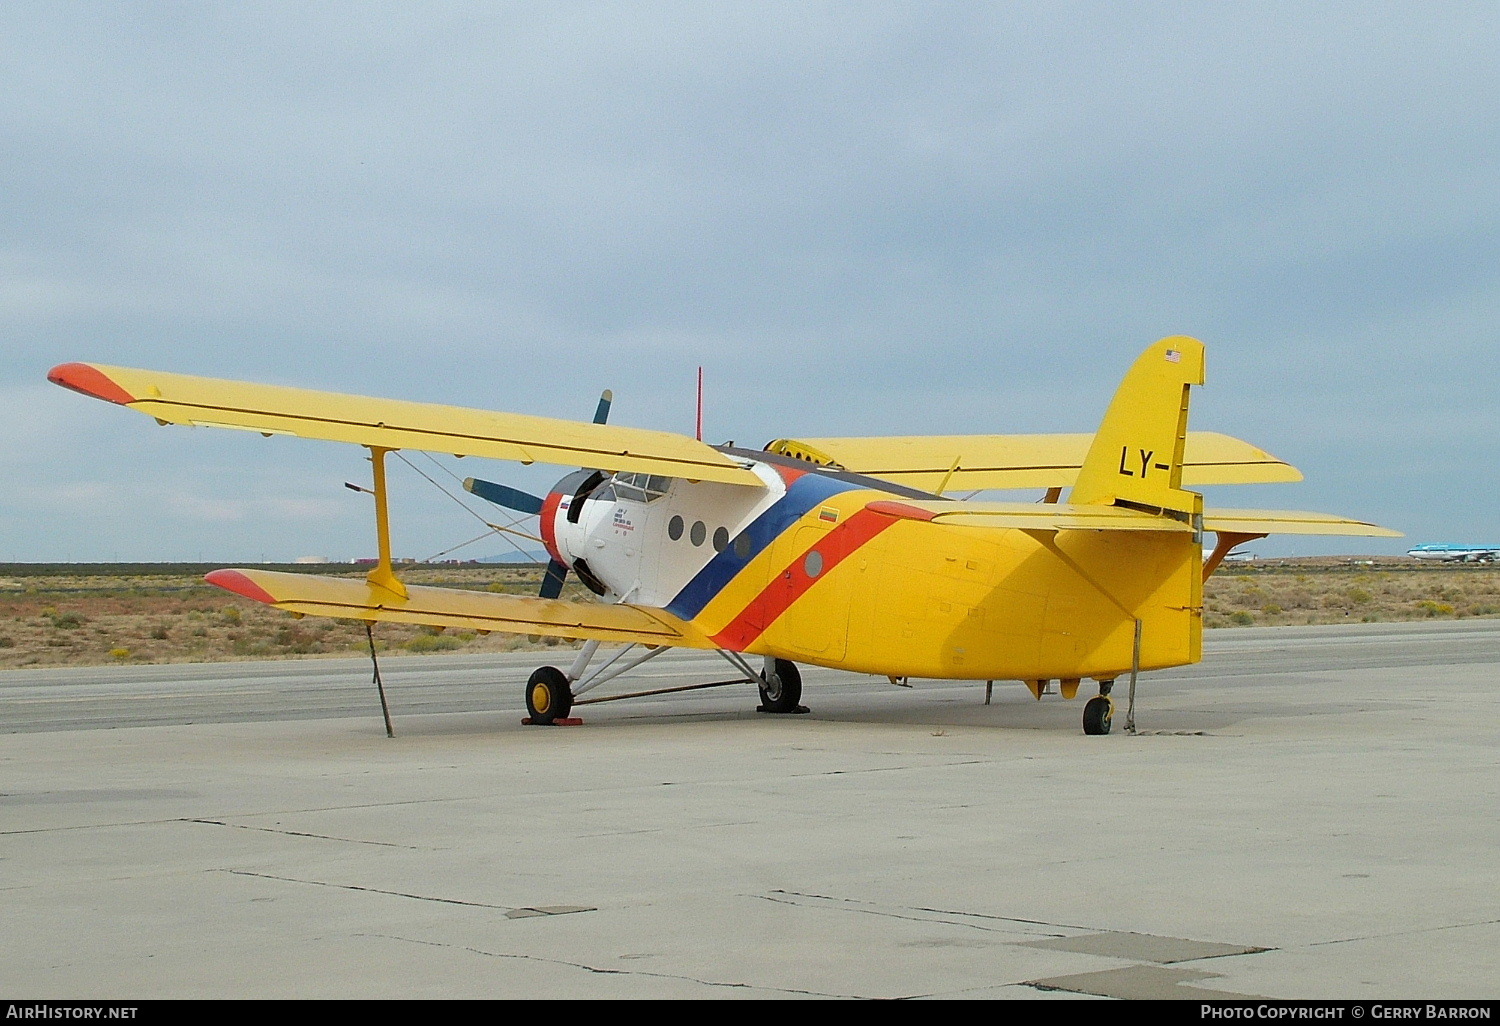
548 697
1098 714
781 688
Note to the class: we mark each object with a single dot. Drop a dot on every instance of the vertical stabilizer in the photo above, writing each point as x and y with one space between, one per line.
1136 458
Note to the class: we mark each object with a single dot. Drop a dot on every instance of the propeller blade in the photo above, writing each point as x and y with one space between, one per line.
552 583
524 502
504 495
602 413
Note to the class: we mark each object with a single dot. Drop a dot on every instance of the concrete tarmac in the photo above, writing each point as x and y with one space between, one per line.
1309 813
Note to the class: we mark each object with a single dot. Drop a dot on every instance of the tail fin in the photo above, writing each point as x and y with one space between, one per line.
1136 457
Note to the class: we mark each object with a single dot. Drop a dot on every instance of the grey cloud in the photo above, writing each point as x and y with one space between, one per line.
859 217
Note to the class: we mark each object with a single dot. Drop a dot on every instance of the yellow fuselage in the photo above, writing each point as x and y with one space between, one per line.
909 597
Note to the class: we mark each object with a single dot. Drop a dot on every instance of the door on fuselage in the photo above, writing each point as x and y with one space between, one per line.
812 595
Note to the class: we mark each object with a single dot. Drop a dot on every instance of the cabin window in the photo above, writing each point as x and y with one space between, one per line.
813 564
700 532
721 539
674 528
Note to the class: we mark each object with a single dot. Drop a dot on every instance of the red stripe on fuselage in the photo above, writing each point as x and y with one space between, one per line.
792 582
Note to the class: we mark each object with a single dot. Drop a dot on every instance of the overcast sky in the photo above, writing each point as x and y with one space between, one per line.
859 218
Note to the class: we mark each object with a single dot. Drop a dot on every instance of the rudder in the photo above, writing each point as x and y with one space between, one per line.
1136 457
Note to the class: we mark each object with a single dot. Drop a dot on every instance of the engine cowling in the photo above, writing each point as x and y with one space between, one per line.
561 531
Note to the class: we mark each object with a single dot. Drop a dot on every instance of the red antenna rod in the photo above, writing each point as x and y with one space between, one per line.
700 404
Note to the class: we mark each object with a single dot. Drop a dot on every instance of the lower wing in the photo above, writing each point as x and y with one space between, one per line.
357 599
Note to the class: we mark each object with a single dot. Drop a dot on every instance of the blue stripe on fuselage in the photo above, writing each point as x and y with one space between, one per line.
807 491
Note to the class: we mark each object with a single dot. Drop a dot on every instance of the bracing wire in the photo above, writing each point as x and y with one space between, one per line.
447 470
460 545
503 531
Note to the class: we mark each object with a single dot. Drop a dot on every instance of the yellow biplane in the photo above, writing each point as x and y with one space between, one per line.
840 552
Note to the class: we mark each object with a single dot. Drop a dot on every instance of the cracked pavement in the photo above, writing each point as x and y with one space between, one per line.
1306 814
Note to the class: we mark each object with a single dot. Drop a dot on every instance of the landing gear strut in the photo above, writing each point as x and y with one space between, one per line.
551 694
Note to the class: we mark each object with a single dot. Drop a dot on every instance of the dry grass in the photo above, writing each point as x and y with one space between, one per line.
94 618
61 616
1313 593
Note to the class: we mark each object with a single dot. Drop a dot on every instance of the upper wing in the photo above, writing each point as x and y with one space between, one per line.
393 424
955 462
356 598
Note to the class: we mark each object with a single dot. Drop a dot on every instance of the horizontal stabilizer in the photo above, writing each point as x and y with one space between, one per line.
1062 516
1030 516
394 424
358 599
978 462
1287 521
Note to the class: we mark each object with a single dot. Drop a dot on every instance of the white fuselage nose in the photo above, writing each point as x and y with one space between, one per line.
644 537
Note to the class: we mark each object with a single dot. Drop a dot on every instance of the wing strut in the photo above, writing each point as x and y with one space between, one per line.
384 575
1227 541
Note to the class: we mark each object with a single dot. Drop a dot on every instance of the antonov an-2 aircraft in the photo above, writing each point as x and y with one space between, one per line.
841 552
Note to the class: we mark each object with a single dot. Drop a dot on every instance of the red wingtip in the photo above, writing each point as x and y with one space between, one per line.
237 582
82 377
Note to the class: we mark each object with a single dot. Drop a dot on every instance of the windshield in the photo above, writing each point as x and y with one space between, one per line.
641 487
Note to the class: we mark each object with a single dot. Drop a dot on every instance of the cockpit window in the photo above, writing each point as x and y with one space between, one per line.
641 487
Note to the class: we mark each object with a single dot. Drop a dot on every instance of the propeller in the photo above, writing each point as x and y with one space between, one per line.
525 502
504 495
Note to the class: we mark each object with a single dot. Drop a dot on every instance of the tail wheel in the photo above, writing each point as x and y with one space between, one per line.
548 697
1097 715
781 687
